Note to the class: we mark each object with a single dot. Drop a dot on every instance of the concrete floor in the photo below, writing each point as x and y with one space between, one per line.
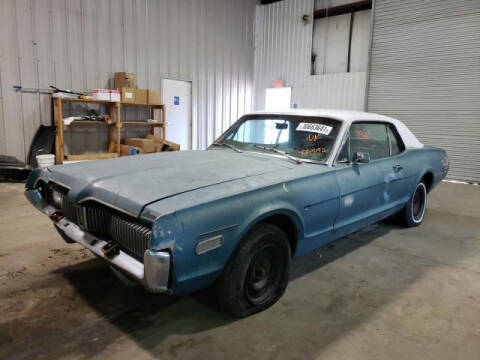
383 293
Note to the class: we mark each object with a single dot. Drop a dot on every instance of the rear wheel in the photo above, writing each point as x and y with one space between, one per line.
257 274
414 212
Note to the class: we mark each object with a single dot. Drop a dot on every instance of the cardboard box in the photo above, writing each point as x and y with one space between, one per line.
154 97
141 96
128 95
124 79
125 150
146 145
172 146
163 145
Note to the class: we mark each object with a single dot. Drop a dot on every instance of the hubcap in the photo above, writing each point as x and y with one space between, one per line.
418 203
263 274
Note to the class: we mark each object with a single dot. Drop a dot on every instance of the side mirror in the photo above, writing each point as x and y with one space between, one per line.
361 157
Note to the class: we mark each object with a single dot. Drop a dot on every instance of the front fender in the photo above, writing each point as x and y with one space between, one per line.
32 178
231 218
264 212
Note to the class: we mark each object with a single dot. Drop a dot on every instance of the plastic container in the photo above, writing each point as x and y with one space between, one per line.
45 160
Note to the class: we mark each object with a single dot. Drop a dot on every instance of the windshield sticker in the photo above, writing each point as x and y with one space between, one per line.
314 127
321 150
313 138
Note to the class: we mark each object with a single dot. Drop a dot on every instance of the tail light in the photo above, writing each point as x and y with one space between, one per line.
445 164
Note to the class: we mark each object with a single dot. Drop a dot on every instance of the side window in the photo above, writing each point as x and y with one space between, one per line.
396 143
370 138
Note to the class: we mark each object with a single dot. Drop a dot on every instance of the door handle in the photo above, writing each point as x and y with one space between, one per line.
397 167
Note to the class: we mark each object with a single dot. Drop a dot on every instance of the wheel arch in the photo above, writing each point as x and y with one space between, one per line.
428 179
287 220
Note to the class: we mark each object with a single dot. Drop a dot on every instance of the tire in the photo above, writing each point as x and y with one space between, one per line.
414 212
256 275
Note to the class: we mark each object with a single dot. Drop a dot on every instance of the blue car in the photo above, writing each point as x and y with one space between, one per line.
274 186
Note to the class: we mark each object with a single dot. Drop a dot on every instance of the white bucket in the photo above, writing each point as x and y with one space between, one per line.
45 160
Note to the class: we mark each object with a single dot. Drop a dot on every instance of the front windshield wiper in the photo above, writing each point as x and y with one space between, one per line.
227 145
298 161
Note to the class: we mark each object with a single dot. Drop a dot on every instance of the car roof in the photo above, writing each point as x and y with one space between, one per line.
343 115
349 116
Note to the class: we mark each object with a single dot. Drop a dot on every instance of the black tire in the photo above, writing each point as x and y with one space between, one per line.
256 275
414 212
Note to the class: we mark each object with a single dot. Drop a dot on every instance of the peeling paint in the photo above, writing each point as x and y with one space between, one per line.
390 177
386 196
349 200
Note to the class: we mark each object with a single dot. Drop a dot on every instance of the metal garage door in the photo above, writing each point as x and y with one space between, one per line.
425 71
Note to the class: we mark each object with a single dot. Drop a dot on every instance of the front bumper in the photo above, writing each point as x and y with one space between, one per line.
153 274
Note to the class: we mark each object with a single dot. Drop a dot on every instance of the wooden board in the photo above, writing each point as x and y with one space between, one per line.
141 123
87 101
97 156
57 109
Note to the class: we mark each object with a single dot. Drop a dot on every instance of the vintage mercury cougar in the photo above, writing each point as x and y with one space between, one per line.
274 186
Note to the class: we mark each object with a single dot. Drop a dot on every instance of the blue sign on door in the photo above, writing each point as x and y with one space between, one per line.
176 100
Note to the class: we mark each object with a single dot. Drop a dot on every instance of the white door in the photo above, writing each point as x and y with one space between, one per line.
177 97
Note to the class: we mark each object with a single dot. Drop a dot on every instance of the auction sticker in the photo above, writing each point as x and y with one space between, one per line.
314 127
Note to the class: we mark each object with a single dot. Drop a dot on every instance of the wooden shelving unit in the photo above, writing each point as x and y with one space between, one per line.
114 127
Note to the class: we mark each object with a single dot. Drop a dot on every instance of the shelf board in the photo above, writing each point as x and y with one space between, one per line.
86 101
158 106
140 123
87 122
91 156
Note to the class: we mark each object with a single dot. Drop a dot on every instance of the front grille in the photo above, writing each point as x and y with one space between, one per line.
69 209
133 236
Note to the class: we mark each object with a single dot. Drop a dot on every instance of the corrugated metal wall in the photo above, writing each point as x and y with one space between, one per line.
425 70
79 44
283 48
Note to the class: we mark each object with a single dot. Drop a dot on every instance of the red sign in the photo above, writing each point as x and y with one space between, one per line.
278 83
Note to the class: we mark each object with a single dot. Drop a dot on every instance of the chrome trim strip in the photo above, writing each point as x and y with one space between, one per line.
58 183
217 230
216 240
342 142
108 205
157 270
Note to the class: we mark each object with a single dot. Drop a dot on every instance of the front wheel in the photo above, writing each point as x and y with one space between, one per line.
414 211
257 274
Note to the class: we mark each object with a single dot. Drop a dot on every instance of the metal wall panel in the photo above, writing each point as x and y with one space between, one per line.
79 44
283 47
425 70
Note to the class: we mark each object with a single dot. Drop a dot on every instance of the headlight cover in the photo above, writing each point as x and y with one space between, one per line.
57 198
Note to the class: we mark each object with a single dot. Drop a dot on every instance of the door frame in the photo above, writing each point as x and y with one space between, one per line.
190 122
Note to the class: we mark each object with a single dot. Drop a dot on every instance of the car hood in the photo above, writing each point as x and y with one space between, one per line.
132 182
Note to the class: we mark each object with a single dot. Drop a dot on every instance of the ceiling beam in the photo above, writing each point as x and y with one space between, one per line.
342 9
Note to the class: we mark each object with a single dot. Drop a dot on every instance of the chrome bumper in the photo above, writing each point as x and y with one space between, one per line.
152 274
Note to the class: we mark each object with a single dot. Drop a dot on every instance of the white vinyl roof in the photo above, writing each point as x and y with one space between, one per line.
348 116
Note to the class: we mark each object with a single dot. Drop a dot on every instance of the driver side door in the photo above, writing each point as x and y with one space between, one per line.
363 196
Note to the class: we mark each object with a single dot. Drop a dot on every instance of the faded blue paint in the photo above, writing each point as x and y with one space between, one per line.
193 195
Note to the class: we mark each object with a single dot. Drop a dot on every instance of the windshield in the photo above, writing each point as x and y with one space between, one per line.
303 137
